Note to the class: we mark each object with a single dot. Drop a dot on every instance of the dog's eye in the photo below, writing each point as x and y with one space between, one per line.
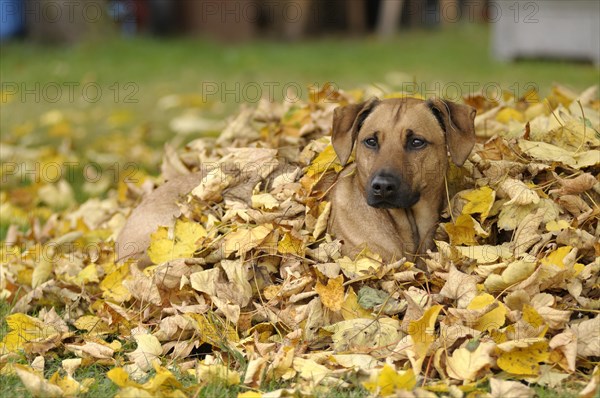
417 143
371 142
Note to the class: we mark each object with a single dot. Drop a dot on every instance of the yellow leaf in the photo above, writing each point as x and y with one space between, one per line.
494 319
365 263
213 330
291 245
61 129
99 350
264 201
69 385
249 394
511 216
182 244
86 275
485 254
216 374
92 324
246 239
514 273
555 226
561 95
532 317
112 285
310 370
326 160
462 231
422 333
556 257
332 294
508 114
388 381
523 357
161 384
536 110
120 117
42 271
294 119
479 201
120 377
321 225
25 329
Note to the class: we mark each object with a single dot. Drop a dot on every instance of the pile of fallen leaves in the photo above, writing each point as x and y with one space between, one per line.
248 288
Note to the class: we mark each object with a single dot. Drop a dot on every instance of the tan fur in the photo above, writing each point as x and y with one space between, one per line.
396 232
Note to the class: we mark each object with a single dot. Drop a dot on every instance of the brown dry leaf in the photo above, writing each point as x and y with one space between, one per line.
588 337
552 153
147 352
565 344
592 388
92 349
376 337
460 287
574 186
527 233
507 388
143 287
518 193
554 318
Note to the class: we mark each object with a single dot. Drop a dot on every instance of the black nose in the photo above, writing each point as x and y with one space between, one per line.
384 187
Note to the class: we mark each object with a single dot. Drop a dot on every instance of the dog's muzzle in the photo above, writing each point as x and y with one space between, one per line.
386 191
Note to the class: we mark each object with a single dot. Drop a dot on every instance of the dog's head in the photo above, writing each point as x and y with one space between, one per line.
402 145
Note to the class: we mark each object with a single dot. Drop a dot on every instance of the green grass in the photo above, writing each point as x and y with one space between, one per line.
545 392
439 61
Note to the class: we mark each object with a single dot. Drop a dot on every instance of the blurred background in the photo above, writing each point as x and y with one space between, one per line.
110 81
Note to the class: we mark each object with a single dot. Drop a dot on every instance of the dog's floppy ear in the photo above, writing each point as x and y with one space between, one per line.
347 121
458 121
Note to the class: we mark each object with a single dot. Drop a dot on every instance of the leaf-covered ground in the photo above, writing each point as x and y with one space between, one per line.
249 290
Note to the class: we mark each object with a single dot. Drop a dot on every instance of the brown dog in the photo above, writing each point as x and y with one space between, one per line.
390 198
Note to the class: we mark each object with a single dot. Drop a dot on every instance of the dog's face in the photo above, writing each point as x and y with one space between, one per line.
401 146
